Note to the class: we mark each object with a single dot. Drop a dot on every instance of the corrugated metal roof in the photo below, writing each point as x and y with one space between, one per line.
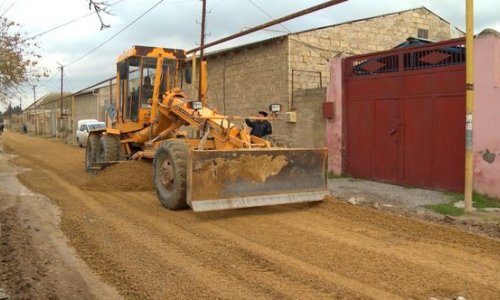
245 46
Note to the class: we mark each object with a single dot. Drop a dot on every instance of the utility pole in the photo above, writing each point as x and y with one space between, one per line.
61 101
62 87
202 46
469 103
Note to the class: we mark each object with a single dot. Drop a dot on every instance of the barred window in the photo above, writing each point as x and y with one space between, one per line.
423 33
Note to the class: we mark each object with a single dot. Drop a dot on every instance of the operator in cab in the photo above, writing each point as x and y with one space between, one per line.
260 128
147 90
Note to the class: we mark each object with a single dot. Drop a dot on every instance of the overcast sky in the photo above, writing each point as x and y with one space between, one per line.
173 24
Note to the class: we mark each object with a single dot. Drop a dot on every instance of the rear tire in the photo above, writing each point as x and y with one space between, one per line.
91 151
169 174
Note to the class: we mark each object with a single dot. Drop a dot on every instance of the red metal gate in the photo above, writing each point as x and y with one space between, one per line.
405 115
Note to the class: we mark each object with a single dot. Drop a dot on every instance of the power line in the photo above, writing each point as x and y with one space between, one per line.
106 41
114 35
48 80
67 81
67 23
58 26
264 12
297 40
6 10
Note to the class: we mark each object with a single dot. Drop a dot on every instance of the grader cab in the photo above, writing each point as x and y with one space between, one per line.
201 159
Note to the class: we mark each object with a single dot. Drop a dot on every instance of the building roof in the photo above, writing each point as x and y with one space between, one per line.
374 17
413 41
47 99
281 37
248 46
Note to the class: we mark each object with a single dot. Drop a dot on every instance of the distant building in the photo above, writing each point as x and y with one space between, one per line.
91 103
45 116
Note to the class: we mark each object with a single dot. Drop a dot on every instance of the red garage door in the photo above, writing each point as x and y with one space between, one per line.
405 115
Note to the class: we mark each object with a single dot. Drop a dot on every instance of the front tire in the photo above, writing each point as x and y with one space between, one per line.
169 174
91 151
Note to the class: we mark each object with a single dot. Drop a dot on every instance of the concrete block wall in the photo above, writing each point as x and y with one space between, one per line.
309 131
248 80
312 50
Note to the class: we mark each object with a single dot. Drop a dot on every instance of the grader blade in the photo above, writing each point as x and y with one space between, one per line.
219 180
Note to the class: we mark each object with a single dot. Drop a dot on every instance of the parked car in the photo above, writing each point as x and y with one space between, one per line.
84 127
85 121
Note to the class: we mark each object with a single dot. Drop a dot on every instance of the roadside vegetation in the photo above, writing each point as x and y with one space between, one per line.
479 201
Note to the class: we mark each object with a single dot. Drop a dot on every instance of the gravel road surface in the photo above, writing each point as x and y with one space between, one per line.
399 196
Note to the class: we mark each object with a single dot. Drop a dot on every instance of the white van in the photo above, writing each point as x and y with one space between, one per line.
84 127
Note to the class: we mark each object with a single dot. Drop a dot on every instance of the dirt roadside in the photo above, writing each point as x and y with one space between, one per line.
36 261
323 251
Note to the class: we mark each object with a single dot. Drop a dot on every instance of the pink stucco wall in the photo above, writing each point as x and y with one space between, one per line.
334 133
486 118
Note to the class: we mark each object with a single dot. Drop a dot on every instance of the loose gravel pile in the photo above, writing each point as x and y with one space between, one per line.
126 176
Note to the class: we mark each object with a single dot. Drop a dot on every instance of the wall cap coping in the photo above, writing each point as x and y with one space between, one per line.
489 32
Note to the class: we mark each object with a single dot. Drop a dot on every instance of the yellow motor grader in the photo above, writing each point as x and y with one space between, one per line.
219 164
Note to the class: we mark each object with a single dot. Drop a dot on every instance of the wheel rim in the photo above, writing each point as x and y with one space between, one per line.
167 174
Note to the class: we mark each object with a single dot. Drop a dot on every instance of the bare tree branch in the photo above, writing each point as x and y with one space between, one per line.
100 7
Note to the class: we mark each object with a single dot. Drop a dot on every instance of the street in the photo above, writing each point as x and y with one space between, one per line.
119 230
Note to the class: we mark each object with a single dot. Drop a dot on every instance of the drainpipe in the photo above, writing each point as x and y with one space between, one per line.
469 103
